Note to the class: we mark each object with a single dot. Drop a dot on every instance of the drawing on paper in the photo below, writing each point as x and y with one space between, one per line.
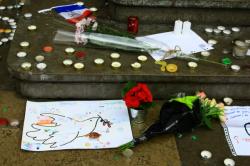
75 125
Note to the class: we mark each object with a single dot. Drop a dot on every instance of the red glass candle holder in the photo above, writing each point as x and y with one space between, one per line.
133 24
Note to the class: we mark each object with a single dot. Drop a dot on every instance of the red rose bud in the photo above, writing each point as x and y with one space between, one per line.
133 24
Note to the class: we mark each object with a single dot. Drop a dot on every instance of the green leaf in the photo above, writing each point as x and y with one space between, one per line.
127 87
187 100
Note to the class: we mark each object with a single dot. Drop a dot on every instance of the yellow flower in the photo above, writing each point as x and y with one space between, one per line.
223 118
213 103
221 106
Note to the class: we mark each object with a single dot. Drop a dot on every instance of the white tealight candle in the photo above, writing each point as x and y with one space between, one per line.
39 58
222 28
21 54
229 162
93 9
78 66
217 31
205 53
5 18
1 43
24 44
115 55
69 50
142 58
136 65
228 100
99 61
235 68
226 32
67 62
116 65
235 29
80 3
26 66
192 65
11 20
14 123
27 15
212 41
10 7
205 154
41 66
12 23
2 7
4 40
32 27
11 38
208 30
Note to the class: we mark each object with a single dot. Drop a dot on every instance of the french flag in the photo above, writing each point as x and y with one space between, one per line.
73 13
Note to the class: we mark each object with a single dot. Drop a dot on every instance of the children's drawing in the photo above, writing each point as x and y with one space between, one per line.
75 125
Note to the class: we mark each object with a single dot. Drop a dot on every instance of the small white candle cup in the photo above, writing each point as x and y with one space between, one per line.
227 32
99 61
80 3
114 55
26 66
227 100
205 54
41 66
79 66
4 40
69 50
205 154
67 62
217 31
235 29
222 28
32 27
39 58
116 65
142 58
209 31
27 15
93 9
136 66
240 49
229 162
21 54
235 68
212 42
24 44
192 65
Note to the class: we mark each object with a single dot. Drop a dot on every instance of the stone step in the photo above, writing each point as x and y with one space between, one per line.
227 12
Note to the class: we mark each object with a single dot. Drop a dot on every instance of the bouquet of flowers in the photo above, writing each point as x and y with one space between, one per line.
137 96
180 115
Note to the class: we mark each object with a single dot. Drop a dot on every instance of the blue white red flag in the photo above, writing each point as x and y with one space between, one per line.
73 13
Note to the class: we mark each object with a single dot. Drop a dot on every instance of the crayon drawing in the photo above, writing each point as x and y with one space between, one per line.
75 125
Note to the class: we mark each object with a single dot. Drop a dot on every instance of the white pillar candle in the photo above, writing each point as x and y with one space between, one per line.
186 27
178 27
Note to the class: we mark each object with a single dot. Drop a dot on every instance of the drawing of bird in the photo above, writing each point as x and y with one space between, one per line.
58 130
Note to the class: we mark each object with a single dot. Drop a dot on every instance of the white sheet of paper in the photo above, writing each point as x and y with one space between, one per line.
68 124
237 129
189 43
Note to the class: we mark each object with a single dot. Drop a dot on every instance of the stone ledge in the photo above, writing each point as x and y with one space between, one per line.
241 4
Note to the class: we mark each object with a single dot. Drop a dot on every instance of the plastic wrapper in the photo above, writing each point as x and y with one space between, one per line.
104 40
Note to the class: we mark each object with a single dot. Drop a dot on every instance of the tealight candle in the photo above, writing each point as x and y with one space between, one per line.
24 44
136 65
208 30
41 66
10 7
11 20
11 38
21 54
205 154
226 51
80 3
14 123
26 66
27 15
99 61
142 58
228 100
2 8
7 31
192 65
235 68
229 162
1 43
21 3
222 28
217 31
115 55
39 58
212 41
5 18
32 27
4 40
235 29
226 32
205 53
67 62
116 65
93 9
78 66
69 50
